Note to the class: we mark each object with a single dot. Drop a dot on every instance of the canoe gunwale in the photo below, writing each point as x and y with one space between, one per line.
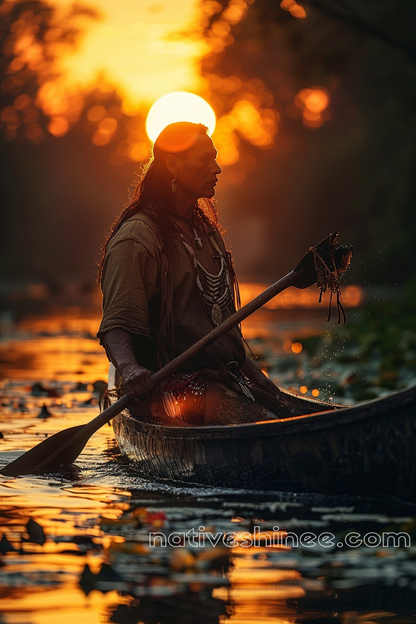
315 421
362 449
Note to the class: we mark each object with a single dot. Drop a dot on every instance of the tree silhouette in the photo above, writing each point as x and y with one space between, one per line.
34 35
362 57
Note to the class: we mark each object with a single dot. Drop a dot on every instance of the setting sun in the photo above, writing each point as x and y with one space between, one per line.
178 106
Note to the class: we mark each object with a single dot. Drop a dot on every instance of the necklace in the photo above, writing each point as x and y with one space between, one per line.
199 243
215 290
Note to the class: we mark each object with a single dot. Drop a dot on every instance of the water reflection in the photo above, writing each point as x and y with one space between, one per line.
87 546
76 546
58 344
92 558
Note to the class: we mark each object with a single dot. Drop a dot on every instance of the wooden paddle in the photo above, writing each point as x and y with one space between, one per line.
64 447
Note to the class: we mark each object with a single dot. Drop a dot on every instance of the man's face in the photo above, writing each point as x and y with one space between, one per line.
198 173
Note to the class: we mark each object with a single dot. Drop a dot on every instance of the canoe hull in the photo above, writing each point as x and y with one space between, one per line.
362 450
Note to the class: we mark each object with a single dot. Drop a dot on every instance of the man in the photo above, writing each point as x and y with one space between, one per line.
167 280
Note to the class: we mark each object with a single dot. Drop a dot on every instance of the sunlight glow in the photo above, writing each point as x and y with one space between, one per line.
137 46
125 57
178 106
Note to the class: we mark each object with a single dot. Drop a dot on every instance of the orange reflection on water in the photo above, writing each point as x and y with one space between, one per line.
260 591
58 358
57 320
53 507
290 298
65 535
61 344
64 605
58 345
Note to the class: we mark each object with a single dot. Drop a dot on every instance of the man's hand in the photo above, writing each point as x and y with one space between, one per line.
136 381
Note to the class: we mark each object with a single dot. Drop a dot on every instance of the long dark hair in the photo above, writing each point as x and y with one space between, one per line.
153 190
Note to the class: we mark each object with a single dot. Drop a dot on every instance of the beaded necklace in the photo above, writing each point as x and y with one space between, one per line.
214 290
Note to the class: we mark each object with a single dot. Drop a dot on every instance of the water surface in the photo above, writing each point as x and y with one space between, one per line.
75 546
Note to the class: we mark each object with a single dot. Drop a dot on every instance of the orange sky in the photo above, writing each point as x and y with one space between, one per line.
148 48
131 44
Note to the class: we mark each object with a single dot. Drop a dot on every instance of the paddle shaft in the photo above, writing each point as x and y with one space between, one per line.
82 433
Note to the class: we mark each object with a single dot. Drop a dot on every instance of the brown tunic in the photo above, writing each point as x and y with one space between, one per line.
141 285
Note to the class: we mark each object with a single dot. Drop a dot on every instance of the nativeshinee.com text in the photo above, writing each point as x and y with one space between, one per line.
276 537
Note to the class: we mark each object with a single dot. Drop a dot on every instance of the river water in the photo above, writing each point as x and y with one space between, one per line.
75 547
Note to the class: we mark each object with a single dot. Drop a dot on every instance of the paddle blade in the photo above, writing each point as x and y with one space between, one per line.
63 447
49 454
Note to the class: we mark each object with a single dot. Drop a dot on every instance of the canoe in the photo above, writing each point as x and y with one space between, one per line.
365 449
